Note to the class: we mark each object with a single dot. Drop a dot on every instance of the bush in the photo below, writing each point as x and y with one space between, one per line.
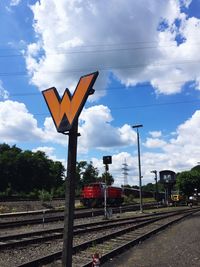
129 199
45 195
59 192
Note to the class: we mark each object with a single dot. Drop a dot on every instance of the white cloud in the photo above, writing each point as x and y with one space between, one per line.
184 148
15 2
186 3
48 150
154 143
17 124
4 94
135 51
188 132
177 154
155 134
51 134
97 131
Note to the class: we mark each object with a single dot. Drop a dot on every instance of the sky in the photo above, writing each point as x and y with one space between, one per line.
147 55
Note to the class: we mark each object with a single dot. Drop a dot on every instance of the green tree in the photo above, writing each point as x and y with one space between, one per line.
187 181
25 171
150 187
3 148
107 178
8 166
57 171
196 168
89 174
80 168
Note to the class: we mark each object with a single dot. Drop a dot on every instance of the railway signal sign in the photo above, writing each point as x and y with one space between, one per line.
66 110
65 113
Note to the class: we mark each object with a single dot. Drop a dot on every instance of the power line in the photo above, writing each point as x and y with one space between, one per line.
197 61
116 88
138 106
104 48
63 52
157 105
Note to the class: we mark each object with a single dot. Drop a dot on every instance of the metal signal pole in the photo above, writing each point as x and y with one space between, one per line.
105 192
156 182
106 160
70 197
139 165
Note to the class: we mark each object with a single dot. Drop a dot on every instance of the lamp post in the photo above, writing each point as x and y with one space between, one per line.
139 164
156 180
106 160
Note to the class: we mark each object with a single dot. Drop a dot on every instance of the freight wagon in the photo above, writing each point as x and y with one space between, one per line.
93 195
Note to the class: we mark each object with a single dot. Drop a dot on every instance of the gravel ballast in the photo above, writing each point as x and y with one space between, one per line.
177 246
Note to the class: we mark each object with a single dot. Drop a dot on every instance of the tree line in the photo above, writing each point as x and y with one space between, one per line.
27 173
188 181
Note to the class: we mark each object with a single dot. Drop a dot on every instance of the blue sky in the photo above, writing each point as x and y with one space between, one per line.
147 55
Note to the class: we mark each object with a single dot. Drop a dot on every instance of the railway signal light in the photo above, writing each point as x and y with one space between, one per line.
107 160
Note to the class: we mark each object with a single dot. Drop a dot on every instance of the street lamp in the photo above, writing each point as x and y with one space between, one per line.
139 164
156 180
106 160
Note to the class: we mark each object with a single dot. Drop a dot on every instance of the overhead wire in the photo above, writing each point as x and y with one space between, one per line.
23 73
139 106
63 52
103 48
115 88
103 45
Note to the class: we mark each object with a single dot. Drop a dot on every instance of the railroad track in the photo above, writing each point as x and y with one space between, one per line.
111 237
23 239
38 217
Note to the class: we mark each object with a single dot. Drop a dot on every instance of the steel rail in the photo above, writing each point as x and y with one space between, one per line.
135 241
57 233
83 246
79 214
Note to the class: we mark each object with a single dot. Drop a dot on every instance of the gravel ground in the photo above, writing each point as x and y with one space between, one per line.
177 246
18 206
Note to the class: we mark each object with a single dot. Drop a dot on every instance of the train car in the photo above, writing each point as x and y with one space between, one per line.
178 198
93 195
114 195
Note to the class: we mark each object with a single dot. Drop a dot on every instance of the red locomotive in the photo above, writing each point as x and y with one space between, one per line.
93 195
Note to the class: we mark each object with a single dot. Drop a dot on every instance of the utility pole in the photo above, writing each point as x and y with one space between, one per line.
139 165
156 183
